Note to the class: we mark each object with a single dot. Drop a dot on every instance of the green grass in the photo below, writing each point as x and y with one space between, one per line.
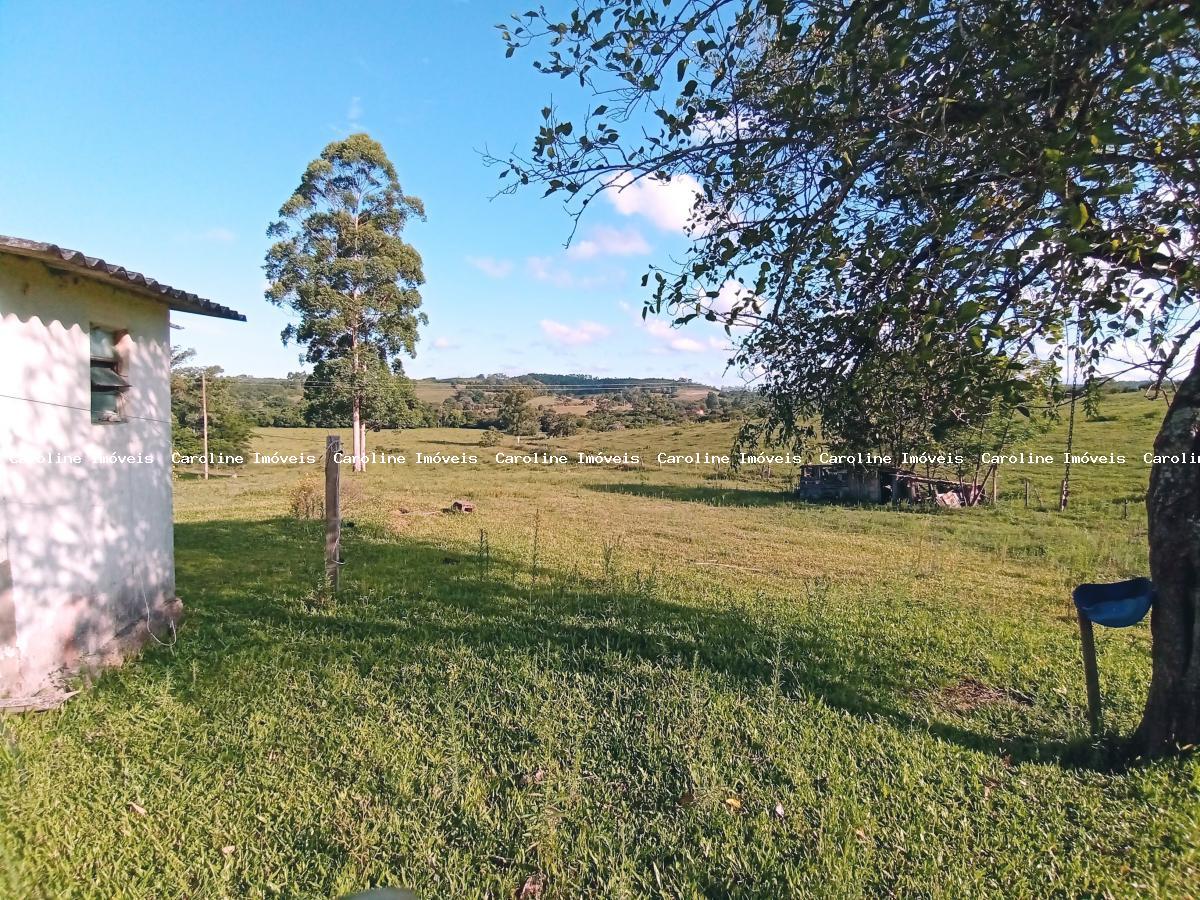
432 391
657 682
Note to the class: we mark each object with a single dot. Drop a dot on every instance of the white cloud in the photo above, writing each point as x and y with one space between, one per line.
668 204
574 335
543 268
493 268
443 343
686 345
606 241
707 128
658 328
355 111
672 338
730 296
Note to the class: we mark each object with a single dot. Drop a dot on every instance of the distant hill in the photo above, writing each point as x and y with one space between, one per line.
574 385
600 402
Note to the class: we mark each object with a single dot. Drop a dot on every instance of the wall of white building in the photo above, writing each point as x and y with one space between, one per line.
86 548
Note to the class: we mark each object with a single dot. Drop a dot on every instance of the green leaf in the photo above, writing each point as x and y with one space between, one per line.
967 312
1080 216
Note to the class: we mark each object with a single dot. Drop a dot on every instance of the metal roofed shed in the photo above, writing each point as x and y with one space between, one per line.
96 268
844 483
87 560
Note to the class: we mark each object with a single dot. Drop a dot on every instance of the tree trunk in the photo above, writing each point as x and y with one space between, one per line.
362 443
1172 715
360 437
355 425
1064 494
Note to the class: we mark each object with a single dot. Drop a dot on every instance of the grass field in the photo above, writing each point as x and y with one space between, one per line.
433 391
436 392
615 681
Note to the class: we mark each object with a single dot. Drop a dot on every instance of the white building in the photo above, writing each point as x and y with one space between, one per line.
86 544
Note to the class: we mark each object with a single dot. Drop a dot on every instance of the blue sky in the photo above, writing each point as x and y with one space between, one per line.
164 137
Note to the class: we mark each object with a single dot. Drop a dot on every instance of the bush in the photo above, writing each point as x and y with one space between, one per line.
490 438
306 500
307 497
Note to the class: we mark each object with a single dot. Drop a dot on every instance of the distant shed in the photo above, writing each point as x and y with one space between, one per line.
847 484
882 484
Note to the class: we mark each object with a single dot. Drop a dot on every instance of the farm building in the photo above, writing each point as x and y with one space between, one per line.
86 544
882 484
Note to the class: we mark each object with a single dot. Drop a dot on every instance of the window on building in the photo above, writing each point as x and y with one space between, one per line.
108 381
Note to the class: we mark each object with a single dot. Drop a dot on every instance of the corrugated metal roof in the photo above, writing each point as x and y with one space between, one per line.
98 269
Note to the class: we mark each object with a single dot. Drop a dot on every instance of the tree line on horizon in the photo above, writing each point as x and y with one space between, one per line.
238 404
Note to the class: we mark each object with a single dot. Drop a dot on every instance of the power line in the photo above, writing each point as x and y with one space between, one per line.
86 409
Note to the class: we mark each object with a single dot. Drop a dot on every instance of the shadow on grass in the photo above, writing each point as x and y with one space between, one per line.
737 496
188 475
712 496
251 587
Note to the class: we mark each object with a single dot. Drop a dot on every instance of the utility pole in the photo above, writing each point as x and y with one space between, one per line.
204 415
1064 493
333 513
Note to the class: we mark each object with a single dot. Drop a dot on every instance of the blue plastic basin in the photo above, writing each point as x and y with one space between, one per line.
1116 605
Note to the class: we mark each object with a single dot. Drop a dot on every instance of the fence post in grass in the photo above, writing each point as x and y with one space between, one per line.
333 513
1027 493
1090 672
204 417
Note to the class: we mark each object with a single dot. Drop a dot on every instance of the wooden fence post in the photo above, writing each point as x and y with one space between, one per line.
1027 493
333 513
1090 672
204 416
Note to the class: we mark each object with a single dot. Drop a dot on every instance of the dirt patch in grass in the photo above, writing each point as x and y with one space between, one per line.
401 517
970 694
